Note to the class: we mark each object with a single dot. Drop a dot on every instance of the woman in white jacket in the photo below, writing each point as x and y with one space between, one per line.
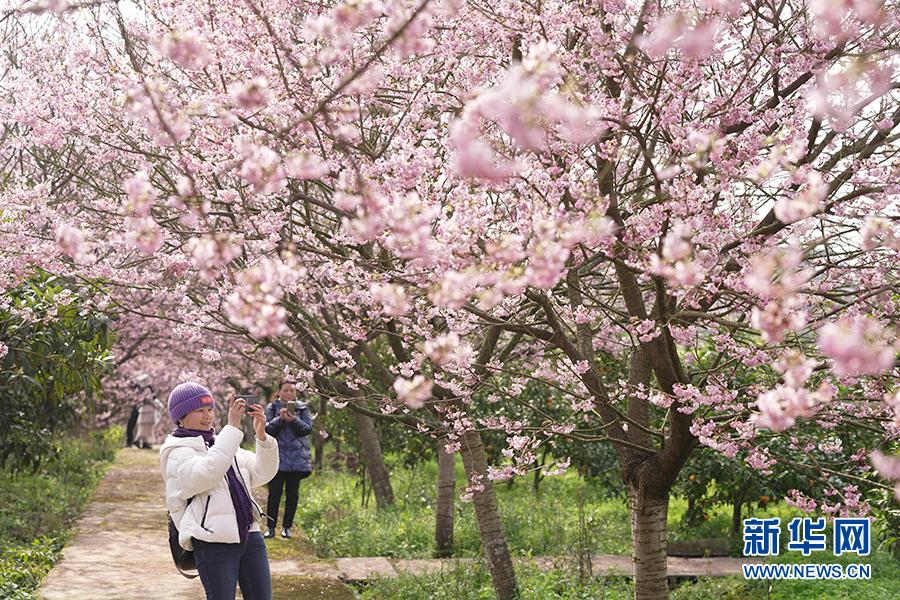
208 481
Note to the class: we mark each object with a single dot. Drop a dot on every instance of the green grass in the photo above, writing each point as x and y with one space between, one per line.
333 519
38 510
884 585
885 582
473 582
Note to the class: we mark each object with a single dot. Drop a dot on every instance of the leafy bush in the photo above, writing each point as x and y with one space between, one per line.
55 349
37 510
23 567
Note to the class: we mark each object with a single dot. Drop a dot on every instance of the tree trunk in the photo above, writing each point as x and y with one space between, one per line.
374 460
736 515
446 490
538 477
493 539
648 531
318 439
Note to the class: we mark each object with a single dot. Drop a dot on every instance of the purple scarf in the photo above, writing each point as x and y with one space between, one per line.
243 508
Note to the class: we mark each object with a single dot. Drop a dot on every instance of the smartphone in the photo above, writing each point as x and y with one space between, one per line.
249 400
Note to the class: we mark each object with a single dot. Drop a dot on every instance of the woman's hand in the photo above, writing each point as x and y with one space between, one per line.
259 420
285 414
236 412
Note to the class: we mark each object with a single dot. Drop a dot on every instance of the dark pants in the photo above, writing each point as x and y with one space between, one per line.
290 481
132 424
223 566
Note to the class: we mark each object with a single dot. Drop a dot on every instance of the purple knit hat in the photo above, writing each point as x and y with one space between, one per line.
188 397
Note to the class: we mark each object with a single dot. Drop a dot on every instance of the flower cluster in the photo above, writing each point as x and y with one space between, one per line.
413 392
857 346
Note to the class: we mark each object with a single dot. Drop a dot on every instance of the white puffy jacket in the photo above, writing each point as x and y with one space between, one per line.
191 470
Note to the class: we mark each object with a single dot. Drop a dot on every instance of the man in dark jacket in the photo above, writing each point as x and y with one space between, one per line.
290 423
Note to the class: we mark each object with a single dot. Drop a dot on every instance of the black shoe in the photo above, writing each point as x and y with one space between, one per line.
286 533
269 534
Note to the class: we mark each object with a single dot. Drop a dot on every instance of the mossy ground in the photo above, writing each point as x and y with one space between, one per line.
290 587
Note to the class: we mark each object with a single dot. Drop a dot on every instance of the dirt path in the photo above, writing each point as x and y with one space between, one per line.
120 548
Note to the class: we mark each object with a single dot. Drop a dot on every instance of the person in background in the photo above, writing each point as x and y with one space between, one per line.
290 422
148 413
132 423
208 481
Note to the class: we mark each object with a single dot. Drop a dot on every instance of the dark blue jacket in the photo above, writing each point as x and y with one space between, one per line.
292 436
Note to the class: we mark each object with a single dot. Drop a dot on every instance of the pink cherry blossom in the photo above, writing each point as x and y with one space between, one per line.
413 392
663 35
210 355
186 49
803 204
776 275
454 290
677 245
857 346
892 399
800 501
795 368
57 6
252 95
878 232
255 302
209 254
145 234
473 158
508 249
888 466
441 348
777 319
781 407
71 242
392 298
305 166
546 261
141 195
262 169
699 42
504 473
761 460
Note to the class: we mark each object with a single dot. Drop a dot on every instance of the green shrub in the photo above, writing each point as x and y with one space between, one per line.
50 374
23 566
37 510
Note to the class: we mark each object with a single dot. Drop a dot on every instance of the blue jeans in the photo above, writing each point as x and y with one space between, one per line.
223 566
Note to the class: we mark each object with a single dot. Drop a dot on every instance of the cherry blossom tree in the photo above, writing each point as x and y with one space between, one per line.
678 216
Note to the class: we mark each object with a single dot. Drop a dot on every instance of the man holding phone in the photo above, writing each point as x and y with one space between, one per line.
290 422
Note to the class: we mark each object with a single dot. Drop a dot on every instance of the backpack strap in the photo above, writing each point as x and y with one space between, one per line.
185 574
